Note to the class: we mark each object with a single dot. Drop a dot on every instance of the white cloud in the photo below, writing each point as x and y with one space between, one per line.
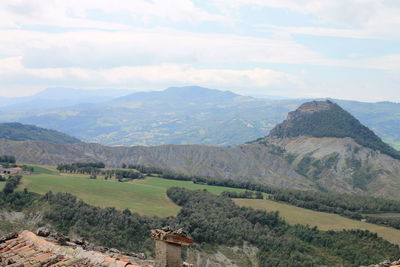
76 13
345 12
367 18
103 46
14 75
102 49
16 79
317 31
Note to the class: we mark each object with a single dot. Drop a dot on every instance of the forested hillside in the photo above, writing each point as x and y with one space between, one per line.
20 132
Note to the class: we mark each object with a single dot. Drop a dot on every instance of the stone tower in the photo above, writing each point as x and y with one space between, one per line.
168 246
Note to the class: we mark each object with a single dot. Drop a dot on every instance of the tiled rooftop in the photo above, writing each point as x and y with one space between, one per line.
26 249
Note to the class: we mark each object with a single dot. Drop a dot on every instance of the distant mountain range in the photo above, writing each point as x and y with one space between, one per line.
177 115
58 97
302 152
22 132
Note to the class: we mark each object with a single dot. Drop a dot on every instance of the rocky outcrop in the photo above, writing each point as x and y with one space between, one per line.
284 129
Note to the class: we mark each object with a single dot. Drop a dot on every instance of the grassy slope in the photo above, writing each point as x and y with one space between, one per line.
37 169
323 221
2 185
147 197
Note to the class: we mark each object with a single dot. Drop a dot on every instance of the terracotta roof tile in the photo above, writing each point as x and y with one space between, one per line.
122 263
110 260
30 250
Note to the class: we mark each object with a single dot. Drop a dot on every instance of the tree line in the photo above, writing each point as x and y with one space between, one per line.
7 159
81 167
97 168
122 175
245 194
15 200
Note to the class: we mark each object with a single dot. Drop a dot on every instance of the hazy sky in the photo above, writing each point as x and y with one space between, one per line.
298 48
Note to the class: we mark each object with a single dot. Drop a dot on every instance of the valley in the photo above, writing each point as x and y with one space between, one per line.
212 220
148 197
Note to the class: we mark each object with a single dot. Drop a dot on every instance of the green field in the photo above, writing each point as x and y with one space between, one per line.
324 221
147 196
44 170
2 185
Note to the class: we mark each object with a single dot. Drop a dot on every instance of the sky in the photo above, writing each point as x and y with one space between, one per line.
346 49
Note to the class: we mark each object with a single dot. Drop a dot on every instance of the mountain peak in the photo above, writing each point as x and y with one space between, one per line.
309 108
183 95
316 106
327 119
197 90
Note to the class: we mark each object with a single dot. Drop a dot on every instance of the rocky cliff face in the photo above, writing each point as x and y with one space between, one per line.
342 165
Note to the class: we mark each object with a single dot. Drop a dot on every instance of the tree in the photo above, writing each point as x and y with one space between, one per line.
259 195
93 175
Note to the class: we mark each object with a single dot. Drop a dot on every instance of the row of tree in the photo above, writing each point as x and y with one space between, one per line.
11 184
149 170
81 167
15 200
245 194
7 159
97 168
122 175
